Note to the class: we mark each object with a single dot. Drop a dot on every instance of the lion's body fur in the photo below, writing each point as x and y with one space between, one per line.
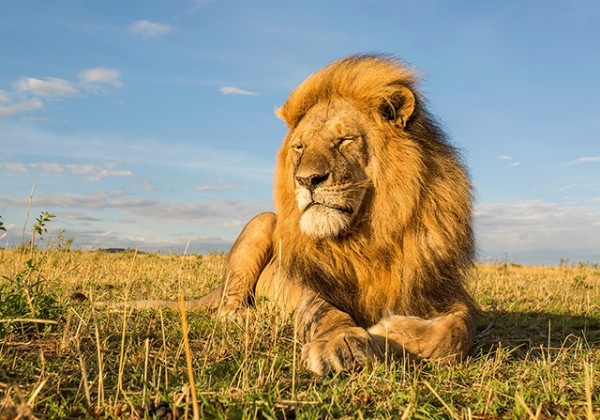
410 253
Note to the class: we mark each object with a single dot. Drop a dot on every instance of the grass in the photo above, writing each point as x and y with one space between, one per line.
539 360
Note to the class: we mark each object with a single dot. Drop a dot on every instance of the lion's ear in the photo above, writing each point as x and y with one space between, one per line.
398 105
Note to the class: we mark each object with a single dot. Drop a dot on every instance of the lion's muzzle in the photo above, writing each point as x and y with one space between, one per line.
312 181
327 210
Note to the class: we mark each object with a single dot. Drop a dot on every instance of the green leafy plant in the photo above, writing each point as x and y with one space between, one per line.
24 304
39 227
62 243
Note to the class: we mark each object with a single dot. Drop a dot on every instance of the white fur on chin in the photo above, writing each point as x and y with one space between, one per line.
322 222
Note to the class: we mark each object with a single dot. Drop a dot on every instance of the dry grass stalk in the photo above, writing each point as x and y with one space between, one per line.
188 357
546 329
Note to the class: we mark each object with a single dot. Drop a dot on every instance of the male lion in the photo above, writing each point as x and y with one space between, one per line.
372 233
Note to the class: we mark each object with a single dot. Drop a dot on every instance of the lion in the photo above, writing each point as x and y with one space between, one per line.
372 236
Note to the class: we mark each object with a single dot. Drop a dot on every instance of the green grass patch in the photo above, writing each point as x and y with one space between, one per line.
539 359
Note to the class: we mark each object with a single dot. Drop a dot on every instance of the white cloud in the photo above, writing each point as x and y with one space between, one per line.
538 231
94 200
220 185
78 217
14 167
101 75
91 172
51 87
207 188
509 159
32 93
95 173
56 168
148 29
197 5
213 213
167 219
228 164
232 90
585 159
20 108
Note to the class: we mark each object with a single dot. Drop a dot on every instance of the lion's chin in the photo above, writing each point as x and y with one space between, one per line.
320 222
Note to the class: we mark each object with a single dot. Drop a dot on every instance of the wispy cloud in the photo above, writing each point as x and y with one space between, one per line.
207 188
32 93
232 90
101 75
148 29
537 230
105 219
56 168
21 107
89 171
591 185
585 159
18 139
50 87
197 5
509 160
220 185
215 212
14 167
98 200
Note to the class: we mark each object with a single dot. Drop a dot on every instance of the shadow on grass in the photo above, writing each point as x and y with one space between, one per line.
521 332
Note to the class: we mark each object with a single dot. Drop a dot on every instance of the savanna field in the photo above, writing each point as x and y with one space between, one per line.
62 356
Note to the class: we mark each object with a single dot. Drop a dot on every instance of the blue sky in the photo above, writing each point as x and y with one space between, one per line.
150 123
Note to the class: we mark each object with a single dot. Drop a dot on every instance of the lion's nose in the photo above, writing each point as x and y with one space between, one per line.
312 181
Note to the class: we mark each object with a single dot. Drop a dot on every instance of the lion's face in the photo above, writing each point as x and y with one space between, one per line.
329 154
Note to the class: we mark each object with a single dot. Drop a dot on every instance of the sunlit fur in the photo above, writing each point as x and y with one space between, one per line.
407 250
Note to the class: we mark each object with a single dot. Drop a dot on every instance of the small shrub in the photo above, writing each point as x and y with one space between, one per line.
23 298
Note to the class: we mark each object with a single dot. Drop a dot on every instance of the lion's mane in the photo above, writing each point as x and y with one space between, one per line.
409 252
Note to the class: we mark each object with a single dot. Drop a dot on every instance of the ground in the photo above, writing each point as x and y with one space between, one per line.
61 357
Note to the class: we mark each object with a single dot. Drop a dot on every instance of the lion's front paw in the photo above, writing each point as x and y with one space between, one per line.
344 350
445 338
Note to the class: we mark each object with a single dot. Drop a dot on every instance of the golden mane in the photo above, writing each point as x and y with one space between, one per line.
364 79
415 236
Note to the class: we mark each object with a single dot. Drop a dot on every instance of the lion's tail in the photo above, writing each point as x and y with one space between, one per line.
210 301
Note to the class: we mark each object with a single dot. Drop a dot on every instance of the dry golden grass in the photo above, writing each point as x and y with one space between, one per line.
539 360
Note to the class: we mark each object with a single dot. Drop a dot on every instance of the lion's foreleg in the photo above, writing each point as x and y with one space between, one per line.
333 340
246 260
448 337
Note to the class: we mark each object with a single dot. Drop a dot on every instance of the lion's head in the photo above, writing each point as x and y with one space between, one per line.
349 126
